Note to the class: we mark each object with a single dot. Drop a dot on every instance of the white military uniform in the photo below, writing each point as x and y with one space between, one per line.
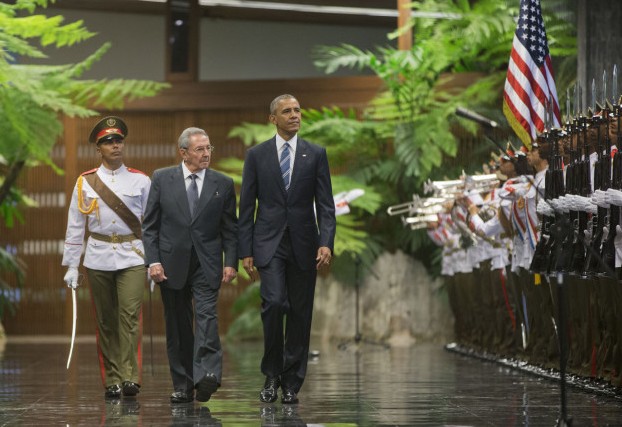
132 187
116 269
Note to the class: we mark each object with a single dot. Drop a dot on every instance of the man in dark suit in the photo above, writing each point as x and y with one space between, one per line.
190 221
285 178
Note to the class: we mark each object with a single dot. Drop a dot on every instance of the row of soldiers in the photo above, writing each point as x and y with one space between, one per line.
554 221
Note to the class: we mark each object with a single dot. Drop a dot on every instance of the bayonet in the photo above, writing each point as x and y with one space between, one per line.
593 99
604 89
614 85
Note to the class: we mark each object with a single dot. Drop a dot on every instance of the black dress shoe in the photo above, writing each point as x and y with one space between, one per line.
206 387
269 392
181 397
130 388
289 397
113 391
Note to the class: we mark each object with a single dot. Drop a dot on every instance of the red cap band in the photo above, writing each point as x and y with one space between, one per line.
108 132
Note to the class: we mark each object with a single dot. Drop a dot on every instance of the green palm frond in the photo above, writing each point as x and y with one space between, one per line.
252 133
11 266
34 98
331 58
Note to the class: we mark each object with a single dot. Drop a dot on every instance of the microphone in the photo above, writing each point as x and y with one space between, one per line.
477 118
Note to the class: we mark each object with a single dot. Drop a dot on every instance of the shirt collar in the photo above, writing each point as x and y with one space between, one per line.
187 173
280 142
107 171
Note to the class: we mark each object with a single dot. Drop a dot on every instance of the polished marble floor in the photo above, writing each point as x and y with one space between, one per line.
347 385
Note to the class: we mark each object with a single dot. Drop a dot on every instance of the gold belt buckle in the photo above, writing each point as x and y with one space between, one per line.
114 238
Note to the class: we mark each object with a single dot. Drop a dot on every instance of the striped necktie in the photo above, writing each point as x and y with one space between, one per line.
285 165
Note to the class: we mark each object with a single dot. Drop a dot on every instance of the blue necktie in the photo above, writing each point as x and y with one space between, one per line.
193 194
285 169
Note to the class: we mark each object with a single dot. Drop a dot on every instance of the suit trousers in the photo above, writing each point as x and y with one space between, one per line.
192 352
117 297
287 294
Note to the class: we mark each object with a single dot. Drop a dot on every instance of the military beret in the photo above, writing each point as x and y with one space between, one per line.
108 128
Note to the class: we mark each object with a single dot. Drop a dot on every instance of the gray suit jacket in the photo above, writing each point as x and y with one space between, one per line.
169 232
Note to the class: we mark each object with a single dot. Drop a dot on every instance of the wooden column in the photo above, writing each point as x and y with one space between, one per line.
405 40
182 40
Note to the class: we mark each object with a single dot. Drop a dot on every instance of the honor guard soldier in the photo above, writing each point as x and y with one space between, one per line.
110 200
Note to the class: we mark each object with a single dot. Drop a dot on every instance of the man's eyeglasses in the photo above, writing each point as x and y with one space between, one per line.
203 150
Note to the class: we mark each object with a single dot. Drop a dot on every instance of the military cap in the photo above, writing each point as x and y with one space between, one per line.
108 128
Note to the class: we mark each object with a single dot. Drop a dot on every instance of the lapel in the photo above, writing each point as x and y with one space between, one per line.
300 162
178 187
210 185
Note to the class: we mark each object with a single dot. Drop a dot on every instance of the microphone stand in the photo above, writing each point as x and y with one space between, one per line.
561 230
358 337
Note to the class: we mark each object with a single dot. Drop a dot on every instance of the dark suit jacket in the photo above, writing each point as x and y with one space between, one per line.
277 209
169 233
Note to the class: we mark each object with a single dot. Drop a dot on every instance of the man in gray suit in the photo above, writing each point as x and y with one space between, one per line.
190 221
287 240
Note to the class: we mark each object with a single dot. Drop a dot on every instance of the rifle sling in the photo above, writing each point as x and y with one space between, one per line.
115 203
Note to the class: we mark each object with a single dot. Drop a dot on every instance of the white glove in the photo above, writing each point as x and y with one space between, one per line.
584 203
563 204
598 198
587 233
71 277
614 197
544 208
575 202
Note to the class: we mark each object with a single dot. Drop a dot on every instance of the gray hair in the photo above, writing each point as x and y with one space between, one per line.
278 99
184 138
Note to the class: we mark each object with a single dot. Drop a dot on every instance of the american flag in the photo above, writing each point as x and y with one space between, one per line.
529 85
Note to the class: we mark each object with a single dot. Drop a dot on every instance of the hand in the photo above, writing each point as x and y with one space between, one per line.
228 274
587 234
249 267
614 197
71 278
598 198
156 272
324 256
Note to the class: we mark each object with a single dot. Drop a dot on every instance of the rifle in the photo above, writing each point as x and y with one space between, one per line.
540 259
562 257
591 263
583 188
609 251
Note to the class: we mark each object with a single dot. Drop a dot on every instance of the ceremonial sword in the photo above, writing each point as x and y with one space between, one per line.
73 327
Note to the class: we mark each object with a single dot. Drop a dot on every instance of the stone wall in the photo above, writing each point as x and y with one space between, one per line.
401 306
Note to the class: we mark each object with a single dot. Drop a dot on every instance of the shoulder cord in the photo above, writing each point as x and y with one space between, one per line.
81 207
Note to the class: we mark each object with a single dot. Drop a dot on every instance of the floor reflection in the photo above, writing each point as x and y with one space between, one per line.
355 385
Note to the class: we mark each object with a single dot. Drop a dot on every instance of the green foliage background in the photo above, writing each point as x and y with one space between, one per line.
408 132
34 98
